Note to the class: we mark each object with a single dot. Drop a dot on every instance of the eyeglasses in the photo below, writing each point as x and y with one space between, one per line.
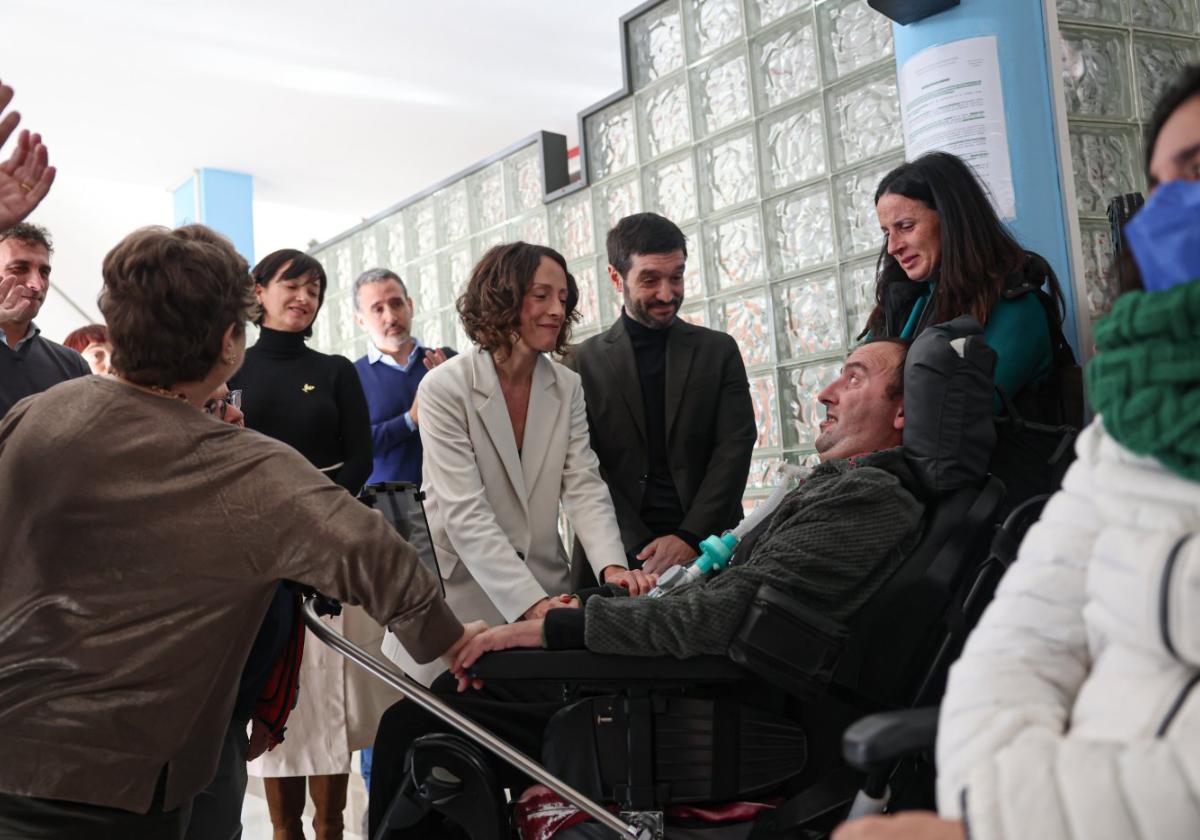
219 406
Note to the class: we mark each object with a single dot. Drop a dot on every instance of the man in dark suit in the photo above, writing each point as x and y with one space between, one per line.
668 405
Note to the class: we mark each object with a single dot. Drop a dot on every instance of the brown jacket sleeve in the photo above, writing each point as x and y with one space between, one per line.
312 531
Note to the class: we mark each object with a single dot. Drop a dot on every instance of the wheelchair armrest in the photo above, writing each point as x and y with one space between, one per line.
881 739
585 666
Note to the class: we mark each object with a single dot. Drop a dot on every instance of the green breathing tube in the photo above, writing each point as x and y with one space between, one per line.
716 551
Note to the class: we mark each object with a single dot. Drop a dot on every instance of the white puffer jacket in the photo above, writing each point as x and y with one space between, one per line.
1074 711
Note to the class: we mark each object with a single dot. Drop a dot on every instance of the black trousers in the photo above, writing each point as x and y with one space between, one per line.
517 712
31 818
217 810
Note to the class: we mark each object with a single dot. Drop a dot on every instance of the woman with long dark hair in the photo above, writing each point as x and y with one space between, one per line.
946 253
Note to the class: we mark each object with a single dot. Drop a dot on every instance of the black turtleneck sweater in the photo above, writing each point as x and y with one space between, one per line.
661 509
310 401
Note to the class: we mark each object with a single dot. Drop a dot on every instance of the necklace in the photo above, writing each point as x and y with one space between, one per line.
157 391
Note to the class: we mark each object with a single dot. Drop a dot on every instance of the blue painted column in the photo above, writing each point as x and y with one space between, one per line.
1019 26
222 200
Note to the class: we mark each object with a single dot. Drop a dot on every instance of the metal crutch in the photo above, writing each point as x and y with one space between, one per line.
316 605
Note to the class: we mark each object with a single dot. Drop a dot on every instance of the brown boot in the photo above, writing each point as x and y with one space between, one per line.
285 801
329 796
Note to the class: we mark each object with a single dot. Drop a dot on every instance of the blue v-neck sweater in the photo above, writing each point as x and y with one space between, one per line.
390 393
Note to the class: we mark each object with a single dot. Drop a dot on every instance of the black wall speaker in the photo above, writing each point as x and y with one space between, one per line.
910 11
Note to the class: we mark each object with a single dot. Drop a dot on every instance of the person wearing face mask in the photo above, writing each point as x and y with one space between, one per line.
1074 710
92 343
945 254
505 435
314 403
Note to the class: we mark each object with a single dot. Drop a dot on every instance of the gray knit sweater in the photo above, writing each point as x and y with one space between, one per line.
832 543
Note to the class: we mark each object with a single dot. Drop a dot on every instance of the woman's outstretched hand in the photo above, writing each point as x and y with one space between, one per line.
470 631
519 634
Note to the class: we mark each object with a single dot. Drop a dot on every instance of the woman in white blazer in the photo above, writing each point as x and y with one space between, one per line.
505 437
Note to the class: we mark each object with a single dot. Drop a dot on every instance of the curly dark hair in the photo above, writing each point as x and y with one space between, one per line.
490 307
168 297
30 234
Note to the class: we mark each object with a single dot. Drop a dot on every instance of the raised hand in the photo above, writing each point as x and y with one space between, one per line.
26 176
10 120
15 301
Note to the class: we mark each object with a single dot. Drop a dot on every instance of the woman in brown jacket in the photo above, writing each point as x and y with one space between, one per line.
142 540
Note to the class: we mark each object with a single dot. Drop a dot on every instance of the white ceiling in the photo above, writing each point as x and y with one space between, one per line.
346 106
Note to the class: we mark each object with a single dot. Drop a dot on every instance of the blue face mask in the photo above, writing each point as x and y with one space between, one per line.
1165 236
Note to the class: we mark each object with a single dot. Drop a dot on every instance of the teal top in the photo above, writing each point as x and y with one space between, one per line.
1017 331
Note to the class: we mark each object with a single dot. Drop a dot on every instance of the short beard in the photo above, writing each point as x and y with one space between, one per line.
640 314
394 343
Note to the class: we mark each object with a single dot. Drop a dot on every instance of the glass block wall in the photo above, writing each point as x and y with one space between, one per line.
761 127
1117 57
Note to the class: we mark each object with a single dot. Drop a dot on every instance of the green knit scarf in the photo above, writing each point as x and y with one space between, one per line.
1145 379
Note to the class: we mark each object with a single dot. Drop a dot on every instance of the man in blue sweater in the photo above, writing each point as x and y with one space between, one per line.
394 366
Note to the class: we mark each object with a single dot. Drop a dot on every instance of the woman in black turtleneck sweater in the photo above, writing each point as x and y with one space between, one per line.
314 403
308 400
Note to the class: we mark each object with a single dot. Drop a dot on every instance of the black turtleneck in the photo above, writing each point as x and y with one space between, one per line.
661 509
310 401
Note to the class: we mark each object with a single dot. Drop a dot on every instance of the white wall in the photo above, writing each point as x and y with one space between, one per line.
88 216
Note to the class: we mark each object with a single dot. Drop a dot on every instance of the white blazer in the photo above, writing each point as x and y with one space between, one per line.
493 511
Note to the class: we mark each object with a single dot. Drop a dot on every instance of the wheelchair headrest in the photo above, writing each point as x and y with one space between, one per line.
949 430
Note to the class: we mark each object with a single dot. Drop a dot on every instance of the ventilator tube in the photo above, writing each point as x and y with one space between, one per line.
715 551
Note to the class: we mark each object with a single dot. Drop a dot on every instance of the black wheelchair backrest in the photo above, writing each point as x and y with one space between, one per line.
895 634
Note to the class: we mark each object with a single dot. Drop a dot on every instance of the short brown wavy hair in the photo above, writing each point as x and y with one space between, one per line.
168 297
490 308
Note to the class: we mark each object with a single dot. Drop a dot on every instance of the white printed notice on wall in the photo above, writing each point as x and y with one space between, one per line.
951 101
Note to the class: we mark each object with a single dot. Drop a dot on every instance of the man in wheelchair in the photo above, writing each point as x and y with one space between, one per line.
831 545
832 541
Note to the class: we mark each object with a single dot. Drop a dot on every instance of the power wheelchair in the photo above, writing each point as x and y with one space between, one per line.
666 733
662 735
